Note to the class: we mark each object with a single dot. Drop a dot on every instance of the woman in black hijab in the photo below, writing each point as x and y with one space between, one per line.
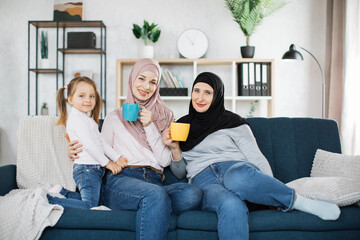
222 158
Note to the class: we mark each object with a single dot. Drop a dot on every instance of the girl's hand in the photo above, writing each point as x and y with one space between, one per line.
122 161
113 167
73 148
145 117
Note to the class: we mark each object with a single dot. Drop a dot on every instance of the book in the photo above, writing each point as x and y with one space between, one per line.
243 79
176 82
171 82
264 80
258 79
163 77
251 79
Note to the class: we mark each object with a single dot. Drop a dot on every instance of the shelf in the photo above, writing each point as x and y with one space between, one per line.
200 61
252 98
59 68
233 101
67 24
81 51
48 70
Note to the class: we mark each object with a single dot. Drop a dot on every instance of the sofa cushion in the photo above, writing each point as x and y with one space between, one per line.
339 190
334 178
95 219
328 164
274 220
289 144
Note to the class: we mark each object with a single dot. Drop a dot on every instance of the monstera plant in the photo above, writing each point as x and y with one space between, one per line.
250 13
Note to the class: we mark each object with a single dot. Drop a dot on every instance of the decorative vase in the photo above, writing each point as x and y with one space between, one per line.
44 63
44 109
146 52
247 51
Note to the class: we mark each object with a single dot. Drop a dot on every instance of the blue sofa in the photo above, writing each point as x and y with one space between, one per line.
288 143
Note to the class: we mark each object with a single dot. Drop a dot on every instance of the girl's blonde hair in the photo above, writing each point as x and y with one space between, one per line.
71 87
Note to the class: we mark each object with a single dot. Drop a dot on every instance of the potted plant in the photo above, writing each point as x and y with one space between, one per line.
44 63
147 33
249 14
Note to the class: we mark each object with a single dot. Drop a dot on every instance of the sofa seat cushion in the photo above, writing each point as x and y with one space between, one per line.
94 219
274 220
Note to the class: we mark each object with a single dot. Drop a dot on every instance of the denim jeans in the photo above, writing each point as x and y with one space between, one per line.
228 185
88 179
141 189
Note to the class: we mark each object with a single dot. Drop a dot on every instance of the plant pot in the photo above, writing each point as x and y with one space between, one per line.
146 52
247 51
45 63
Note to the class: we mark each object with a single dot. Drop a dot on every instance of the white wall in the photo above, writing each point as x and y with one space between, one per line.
297 86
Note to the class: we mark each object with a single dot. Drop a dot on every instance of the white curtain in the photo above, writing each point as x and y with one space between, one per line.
350 127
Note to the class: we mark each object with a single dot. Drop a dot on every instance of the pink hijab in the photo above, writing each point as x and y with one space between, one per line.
162 116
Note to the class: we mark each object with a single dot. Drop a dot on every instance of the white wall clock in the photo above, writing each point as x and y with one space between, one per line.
193 43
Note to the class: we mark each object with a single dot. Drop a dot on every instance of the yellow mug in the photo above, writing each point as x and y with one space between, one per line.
179 131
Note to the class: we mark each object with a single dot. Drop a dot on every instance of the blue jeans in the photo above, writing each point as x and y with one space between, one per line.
88 179
141 189
226 187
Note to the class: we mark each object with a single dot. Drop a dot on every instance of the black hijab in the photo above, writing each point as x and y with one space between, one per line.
215 118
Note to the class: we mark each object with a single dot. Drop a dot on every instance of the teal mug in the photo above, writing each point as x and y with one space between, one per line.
130 111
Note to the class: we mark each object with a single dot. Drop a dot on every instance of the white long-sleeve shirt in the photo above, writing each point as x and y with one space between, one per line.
115 134
95 149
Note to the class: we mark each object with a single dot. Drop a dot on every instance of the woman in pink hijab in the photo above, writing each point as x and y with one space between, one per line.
139 186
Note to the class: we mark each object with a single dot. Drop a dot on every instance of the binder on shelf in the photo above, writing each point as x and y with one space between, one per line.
264 80
258 79
243 79
251 79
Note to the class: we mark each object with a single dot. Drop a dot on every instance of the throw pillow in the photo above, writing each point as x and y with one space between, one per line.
328 164
339 190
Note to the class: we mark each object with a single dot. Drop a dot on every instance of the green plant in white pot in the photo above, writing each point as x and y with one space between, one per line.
148 32
44 50
249 14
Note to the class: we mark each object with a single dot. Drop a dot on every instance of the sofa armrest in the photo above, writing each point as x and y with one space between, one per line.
7 179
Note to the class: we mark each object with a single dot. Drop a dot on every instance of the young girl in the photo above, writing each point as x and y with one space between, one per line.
82 124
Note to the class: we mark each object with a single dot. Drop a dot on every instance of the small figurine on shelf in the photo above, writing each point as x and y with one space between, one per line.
44 109
44 63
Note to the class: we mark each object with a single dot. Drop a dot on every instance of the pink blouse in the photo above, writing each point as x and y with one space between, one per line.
115 134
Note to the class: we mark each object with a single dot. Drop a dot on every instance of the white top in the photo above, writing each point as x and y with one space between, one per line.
115 134
95 150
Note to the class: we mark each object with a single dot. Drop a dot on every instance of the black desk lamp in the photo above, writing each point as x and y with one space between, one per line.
296 55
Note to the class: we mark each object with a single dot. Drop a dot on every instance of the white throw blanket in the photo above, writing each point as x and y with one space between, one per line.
42 162
25 213
42 159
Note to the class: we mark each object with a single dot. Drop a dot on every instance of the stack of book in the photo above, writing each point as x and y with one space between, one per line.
253 79
174 87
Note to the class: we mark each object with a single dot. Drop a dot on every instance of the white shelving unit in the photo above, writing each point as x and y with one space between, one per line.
188 69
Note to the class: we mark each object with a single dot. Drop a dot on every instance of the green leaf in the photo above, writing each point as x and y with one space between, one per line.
136 30
154 36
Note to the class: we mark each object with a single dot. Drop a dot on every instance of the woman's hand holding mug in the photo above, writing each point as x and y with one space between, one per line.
145 117
173 145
